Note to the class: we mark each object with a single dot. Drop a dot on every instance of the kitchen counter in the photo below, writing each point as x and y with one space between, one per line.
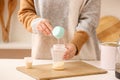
8 71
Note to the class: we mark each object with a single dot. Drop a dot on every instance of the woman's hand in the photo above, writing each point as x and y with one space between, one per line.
71 51
44 27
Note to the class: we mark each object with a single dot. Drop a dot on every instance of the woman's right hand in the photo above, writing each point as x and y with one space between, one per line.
45 27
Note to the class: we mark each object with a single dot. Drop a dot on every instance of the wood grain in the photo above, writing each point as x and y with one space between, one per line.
72 69
108 29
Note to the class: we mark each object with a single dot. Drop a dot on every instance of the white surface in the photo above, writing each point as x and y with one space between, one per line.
8 71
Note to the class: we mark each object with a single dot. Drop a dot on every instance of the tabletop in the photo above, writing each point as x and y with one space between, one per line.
8 71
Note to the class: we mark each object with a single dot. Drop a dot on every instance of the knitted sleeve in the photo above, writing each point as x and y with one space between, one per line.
27 13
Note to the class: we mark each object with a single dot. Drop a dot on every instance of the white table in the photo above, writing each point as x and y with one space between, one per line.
8 71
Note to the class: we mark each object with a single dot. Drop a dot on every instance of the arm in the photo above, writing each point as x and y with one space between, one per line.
33 23
27 13
88 22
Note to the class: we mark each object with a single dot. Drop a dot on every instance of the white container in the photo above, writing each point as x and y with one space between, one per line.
57 52
108 55
28 62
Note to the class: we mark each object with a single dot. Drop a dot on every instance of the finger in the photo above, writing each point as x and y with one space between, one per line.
42 30
68 47
45 33
39 26
69 54
39 29
66 55
45 27
48 25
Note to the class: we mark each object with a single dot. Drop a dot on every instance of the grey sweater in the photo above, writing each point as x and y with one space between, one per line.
72 15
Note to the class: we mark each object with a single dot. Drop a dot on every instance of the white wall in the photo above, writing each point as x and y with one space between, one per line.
110 7
19 34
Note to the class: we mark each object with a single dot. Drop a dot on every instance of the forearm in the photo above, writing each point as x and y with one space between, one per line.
27 13
80 37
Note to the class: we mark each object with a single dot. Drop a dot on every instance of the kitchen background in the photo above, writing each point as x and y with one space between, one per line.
20 38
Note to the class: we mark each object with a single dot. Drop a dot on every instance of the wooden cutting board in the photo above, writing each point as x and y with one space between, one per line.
77 68
108 29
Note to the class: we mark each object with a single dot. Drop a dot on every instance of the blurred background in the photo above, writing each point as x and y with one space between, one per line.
19 45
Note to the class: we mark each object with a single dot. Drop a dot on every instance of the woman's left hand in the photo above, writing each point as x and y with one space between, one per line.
70 52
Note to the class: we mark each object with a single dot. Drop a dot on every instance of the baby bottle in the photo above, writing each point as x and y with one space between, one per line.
57 52
58 49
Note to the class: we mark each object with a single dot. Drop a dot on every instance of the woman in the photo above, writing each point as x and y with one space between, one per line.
79 18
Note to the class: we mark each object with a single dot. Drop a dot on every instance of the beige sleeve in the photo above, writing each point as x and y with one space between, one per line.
80 37
27 13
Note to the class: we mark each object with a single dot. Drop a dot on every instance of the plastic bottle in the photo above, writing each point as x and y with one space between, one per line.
57 52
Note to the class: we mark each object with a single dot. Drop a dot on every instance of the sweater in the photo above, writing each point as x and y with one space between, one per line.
79 18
